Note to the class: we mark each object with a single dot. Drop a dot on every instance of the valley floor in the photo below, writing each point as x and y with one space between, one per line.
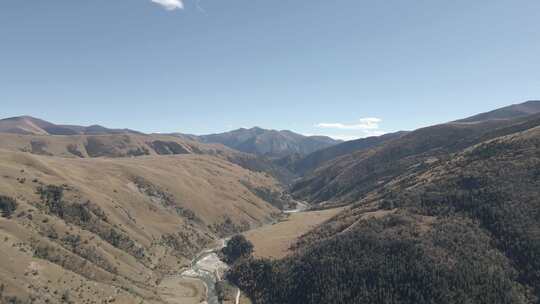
178 290
274 241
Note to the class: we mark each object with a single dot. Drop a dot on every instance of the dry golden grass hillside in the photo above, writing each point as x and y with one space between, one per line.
275 241
92 229
106 145
121 145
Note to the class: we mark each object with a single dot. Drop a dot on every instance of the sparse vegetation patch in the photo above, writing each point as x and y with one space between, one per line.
89 217
227 227
8 205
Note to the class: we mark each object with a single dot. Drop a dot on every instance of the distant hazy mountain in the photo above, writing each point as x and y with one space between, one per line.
509 112
349 177
270 143
312 161
28 125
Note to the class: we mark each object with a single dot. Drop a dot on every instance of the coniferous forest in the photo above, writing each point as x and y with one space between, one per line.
461 230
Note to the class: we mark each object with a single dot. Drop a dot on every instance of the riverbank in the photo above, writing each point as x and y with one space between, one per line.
197 283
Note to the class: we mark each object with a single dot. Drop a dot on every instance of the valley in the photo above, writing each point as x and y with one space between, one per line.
206 269
269 152
125 222
443 214
447 213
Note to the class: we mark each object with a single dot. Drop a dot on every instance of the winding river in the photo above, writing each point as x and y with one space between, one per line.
208 268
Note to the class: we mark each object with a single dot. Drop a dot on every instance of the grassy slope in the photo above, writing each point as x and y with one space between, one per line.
135 145
112 145
211 189
274 241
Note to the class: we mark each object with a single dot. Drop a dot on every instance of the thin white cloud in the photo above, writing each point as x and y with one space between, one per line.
365 127
170 5
368 123
343 137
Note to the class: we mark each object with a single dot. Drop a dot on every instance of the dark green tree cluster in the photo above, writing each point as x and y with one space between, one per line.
238 247
88 216
7 205
387 261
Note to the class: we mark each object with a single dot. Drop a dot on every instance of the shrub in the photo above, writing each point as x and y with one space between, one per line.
7 205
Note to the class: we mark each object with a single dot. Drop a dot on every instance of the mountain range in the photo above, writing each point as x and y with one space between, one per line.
269 143
88 217
349 177
256 140
443 214
28 125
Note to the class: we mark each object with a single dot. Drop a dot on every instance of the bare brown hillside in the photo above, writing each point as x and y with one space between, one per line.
91 229
108 145
134 145
34 126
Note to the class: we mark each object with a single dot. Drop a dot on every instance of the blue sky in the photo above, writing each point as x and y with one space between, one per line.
345 68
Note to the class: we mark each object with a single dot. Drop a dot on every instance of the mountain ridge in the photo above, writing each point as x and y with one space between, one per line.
310 162
422 211
28 125
443 214
509 112
267 142
351 176
255 140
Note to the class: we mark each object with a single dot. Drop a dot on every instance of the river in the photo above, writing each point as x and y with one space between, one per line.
208 268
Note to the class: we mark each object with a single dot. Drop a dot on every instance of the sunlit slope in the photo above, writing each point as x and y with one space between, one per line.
127 145
352 176
457 229
108 145
122 222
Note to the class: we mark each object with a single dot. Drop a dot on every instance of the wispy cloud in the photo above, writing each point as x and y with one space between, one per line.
343 137
368 123
364 127
170 5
